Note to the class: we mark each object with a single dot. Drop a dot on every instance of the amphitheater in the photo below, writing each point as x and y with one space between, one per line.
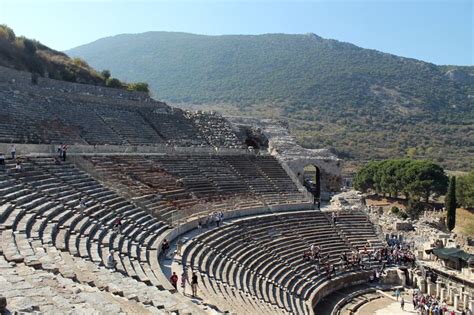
165 173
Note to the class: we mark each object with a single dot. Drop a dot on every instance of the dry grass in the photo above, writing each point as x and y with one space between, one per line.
464 222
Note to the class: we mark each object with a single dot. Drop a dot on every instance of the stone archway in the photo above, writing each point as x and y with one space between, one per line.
312 180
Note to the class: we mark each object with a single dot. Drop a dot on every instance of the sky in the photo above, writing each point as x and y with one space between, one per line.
437 31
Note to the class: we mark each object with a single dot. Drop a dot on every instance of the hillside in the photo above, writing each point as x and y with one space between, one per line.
364 103
25 54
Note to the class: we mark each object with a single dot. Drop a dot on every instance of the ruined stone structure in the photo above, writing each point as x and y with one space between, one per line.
284 146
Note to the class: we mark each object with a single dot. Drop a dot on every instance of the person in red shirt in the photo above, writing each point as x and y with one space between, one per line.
174 280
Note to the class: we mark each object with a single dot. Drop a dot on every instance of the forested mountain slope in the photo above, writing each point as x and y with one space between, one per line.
364 103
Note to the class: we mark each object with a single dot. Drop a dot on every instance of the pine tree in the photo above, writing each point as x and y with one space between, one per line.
450 204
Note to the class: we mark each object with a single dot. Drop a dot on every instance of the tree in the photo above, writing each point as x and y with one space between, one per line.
450 204
414 208
106 74
364 179
465 190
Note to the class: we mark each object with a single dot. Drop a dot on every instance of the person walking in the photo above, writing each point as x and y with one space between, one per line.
179 246
13 151
2 162
184 279
194 284
64 150
402 304
111 263
174 280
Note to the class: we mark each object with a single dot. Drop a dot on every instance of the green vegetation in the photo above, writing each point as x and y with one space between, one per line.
411 178
465 190
30 55
366 104
139 86
450 204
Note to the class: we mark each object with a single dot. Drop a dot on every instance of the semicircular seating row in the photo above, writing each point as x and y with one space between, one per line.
258 262
42 227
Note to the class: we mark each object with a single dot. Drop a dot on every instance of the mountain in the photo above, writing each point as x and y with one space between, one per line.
364 103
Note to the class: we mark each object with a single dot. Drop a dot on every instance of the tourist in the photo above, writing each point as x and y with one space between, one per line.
397 293
82 206
13 151
64 150
111 263
2 162
179 246
60 150
3 306
184 279
174 280
117 224
217 219
165 246
194 284
402 304
18 166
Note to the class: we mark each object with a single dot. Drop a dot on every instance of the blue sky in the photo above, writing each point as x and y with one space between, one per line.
436 31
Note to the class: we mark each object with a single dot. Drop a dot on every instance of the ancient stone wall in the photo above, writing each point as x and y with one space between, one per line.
284 146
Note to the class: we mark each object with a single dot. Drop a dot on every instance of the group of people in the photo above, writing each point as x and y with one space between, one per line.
214 218
18 165
184 279
431 305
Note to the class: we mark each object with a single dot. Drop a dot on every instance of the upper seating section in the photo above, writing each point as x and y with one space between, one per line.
60 112
168 184
216 130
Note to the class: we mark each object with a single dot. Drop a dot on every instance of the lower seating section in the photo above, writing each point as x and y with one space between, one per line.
256 265
261 259
179 185
358 230
44 227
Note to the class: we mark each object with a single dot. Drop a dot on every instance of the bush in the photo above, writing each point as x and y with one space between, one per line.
139 87
113 83
29 46
395 210
402 215
80 63
7 33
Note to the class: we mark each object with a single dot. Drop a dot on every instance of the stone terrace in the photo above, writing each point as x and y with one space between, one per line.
50 252
60 112
176 186
255 265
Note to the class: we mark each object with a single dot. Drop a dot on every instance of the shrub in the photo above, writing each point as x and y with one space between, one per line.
403 215
139 86
113 83
394 210
7 33
29 46
80 62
